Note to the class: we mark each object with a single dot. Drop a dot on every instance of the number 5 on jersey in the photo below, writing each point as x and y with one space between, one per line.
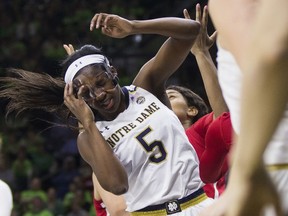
156 147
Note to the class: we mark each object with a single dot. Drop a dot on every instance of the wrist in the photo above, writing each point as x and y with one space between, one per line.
132 27
200 52
245 168
88 125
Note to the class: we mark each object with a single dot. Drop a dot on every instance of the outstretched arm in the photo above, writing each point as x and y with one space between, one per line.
213 161
153 75
267 63
208 70
262 57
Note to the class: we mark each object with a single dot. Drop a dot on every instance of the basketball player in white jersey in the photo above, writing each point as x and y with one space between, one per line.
115 205
254 35
134 143
6 197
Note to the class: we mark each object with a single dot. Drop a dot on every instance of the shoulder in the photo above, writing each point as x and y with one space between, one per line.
221 129
6 199
4 188
203 123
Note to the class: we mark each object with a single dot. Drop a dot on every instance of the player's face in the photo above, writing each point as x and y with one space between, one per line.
96 87
178 104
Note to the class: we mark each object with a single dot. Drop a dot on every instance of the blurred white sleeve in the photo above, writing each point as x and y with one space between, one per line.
6 200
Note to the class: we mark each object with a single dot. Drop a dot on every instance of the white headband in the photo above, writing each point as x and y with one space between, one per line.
82 62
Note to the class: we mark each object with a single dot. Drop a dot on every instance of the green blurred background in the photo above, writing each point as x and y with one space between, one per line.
35 156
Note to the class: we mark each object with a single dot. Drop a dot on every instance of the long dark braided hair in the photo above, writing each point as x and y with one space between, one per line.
26 90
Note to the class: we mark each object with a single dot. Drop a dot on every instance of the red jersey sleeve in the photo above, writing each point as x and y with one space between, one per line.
99 207
197 133
218 139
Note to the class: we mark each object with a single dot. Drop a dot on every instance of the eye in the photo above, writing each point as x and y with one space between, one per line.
100 83
75 89
76 86
85 93
91 95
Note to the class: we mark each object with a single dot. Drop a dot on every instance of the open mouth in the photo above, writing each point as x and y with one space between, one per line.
107 103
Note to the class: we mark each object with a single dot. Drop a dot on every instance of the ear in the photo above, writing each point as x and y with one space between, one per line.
192 111
113 71
115 78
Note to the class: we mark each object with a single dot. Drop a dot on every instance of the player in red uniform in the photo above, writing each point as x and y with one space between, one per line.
211 137
209 134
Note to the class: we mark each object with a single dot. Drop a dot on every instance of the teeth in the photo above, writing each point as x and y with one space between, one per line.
106 102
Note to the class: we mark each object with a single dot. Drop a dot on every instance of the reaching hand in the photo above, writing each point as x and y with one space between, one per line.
69 48
111 25
203 41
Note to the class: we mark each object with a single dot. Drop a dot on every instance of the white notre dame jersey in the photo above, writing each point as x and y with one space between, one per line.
151 143
230 79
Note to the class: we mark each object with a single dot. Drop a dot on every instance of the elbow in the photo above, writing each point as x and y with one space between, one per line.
213 174
197 27
208 178
194 30
117 189
189 30
118 186
209 174
120 189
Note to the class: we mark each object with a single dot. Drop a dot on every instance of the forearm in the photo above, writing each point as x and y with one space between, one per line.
218 139
106 166
170 27
115 205
268 98
211 164
264 85
182 34
209 76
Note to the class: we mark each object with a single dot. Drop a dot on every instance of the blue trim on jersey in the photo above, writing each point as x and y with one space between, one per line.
126 95
180 201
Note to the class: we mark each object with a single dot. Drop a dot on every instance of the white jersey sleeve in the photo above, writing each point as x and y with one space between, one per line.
230 79
6 201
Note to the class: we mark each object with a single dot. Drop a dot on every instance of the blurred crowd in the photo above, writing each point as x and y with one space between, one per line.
44 170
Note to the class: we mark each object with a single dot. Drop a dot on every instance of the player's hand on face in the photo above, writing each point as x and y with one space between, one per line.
69 49
111 25
77 105
203 41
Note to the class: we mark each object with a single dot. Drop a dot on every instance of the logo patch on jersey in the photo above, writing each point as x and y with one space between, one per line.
172 207
140 100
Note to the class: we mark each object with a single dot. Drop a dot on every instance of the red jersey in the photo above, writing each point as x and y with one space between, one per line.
99 207
212 140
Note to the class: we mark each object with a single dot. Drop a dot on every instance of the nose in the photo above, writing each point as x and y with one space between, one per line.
98 93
